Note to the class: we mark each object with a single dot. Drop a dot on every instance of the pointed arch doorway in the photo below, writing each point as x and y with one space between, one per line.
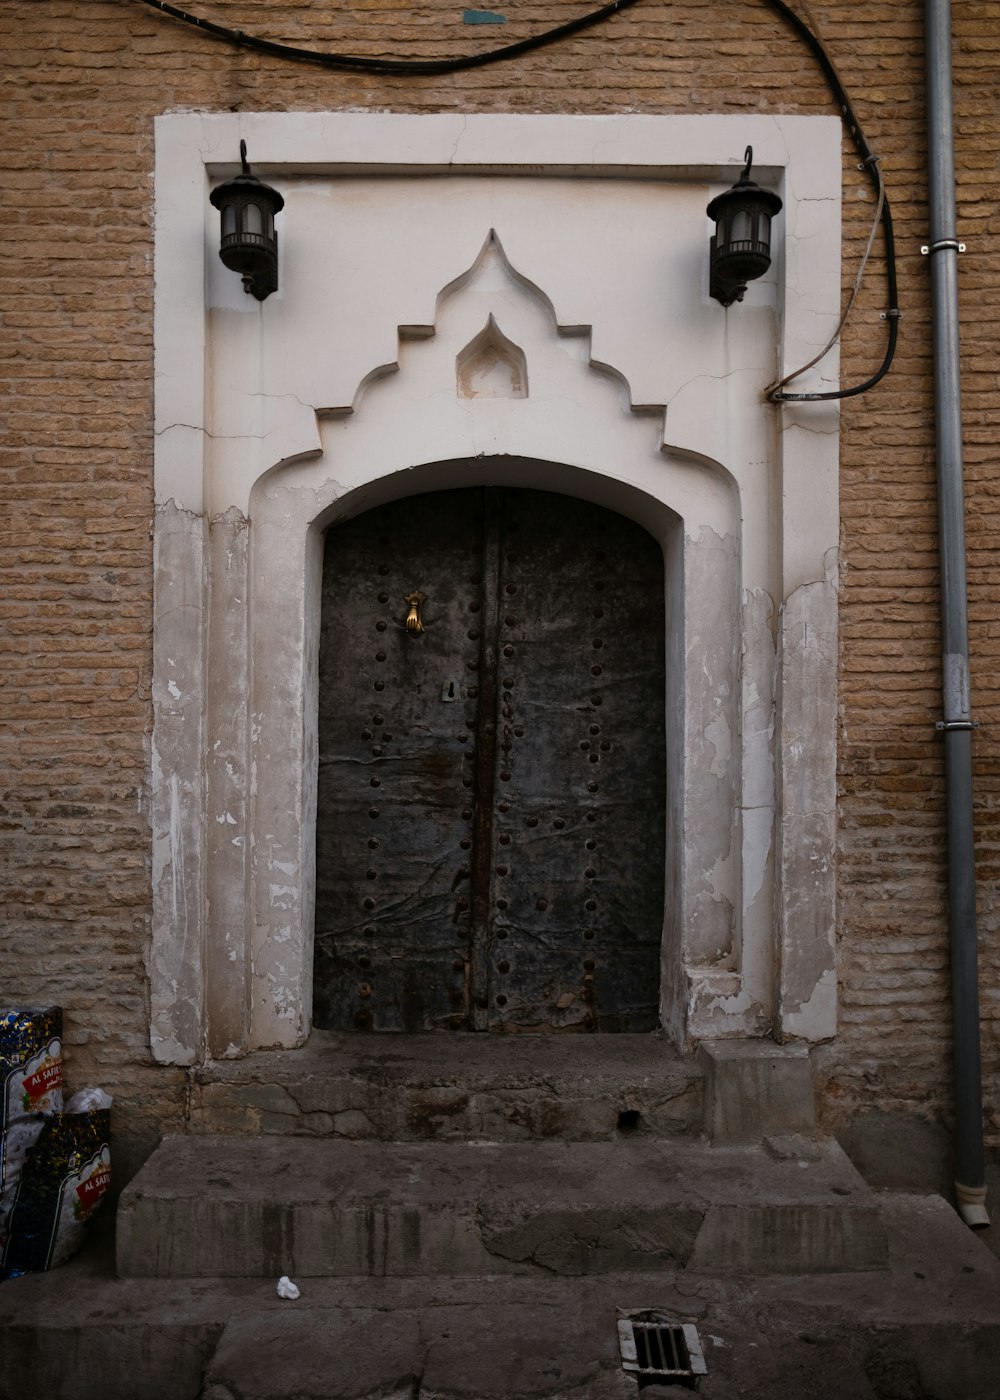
491 800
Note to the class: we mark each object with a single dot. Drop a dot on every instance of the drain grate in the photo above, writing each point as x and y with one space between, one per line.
656 1350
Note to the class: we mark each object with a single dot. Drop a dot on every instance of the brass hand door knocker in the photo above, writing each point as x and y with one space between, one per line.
414 622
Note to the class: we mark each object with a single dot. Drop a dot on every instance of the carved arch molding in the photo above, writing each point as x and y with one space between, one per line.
499 307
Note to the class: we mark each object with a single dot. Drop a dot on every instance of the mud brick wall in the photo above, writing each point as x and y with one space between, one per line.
82 82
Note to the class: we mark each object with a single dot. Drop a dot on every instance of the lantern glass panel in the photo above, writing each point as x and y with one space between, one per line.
251 219
228 220
742 226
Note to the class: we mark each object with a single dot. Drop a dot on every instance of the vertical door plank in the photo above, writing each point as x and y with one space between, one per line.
579 839
394 825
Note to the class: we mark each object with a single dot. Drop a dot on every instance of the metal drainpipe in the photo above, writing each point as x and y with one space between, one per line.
943 248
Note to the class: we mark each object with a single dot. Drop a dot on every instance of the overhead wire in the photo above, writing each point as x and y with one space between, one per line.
416 67
776 392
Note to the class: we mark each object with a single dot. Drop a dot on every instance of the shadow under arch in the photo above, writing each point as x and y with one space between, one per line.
560 478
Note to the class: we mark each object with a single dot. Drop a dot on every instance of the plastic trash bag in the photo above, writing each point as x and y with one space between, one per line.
30 1089
63 1180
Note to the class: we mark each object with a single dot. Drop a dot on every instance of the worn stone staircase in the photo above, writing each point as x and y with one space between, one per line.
476 1155
465 1218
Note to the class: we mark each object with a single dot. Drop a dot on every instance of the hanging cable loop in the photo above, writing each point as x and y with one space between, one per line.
773 391
870 163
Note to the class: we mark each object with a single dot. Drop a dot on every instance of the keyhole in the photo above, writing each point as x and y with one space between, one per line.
451 691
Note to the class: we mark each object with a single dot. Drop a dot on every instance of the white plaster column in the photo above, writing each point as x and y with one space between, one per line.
177 789
227 768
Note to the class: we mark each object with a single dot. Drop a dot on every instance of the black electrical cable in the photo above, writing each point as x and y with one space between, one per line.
418 67
868 161
432 67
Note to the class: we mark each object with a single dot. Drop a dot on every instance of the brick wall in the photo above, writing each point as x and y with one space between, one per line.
83 80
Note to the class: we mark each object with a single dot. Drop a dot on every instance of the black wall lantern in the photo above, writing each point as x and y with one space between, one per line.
741 243
249 242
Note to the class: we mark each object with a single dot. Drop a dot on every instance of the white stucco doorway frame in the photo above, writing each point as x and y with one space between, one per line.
583 241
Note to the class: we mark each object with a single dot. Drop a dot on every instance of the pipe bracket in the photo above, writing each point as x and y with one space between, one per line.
942 245
946 725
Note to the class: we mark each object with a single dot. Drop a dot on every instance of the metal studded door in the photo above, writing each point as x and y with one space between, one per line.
490 845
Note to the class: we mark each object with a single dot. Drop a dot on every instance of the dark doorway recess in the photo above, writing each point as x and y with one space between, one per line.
490 829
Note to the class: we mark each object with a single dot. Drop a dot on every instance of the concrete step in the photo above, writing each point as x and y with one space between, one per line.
929 1326
265 1206
454 1088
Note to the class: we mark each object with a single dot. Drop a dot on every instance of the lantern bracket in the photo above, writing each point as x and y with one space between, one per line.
740 248
249 242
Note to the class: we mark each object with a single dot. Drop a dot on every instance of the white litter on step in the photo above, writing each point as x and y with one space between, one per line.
286 1288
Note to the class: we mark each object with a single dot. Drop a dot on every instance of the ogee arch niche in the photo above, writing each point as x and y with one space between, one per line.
492 767
304 425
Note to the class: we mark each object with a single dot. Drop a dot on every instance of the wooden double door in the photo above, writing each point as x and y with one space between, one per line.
490 827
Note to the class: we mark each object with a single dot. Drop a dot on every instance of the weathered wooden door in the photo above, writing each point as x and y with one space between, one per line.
490 845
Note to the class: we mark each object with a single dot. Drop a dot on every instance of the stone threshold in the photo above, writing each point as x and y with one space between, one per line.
454 1088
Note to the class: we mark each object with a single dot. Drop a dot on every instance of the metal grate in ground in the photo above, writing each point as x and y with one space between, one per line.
658 1351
